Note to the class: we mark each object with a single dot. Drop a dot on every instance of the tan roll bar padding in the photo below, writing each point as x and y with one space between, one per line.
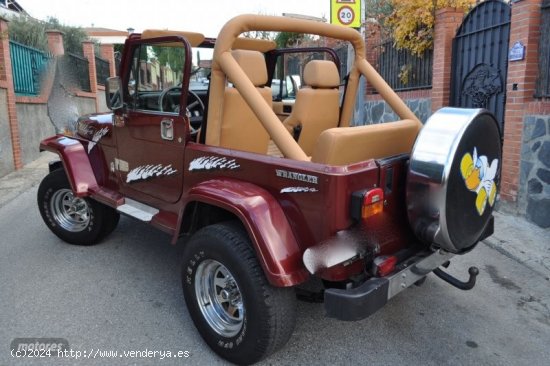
348 145
193 38
262 45
258 105
224 64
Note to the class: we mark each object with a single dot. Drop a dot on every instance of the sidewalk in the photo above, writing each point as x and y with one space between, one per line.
514 236
523 241
15 183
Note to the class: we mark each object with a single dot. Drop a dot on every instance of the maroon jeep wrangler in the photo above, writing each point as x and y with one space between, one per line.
273 189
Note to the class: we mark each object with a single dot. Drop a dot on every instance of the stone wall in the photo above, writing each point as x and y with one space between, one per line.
34 126
378 111
6 152
534 192
101 102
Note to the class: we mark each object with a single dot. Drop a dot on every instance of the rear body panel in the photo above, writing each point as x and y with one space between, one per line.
298 204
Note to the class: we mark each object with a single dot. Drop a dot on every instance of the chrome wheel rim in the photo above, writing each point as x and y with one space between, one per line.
219 298
70 212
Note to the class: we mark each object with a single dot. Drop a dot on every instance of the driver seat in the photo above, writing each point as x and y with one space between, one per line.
240 128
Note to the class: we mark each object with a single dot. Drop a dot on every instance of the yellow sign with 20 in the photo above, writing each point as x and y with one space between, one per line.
346 13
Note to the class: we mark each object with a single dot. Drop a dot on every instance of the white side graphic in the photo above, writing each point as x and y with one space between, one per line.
98 135
298 190
149 171
213 163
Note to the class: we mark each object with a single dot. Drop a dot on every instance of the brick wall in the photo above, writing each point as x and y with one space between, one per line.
520 89
25 120
446 24
6 76
107 52
424 101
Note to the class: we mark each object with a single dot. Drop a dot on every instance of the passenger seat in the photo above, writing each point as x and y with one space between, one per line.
317 105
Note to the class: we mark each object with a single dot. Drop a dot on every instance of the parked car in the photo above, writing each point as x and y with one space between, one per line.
365 211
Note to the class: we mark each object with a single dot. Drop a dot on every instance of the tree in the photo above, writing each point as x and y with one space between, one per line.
31 32
289 39
410 23
380 11
266 35
172 56
72 36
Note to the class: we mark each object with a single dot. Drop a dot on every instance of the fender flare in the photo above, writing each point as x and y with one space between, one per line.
270 232
75 162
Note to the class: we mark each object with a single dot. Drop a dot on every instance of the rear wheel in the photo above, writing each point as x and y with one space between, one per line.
76 220
237 312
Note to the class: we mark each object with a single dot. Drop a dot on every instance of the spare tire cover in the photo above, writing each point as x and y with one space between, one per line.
453 177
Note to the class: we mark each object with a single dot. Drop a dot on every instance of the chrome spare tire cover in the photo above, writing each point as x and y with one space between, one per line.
453 177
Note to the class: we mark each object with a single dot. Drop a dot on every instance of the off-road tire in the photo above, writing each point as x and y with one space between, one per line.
269 312
102 220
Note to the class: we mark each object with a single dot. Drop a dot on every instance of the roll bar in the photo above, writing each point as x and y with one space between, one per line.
224 65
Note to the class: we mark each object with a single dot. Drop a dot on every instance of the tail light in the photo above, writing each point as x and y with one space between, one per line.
384 265
365 204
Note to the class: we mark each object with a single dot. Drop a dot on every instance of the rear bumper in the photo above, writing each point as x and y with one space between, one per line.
364 300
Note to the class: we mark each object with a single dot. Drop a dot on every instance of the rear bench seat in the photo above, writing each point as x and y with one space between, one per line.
348 145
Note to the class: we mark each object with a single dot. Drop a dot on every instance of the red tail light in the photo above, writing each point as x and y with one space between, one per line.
365 204
384 265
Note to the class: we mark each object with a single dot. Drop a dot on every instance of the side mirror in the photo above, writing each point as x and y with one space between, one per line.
113 93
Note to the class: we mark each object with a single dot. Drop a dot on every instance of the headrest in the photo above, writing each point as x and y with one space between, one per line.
321 74
253 65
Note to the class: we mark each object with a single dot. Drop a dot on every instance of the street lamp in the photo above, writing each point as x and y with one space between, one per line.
130 30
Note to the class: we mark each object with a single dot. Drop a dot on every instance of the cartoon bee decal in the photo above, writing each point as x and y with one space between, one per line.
479 177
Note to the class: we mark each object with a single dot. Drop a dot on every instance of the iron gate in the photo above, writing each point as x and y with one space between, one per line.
480 59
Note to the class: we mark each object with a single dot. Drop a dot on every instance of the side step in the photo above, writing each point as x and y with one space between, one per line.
138 210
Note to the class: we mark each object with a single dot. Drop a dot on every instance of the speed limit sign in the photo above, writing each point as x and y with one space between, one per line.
346 15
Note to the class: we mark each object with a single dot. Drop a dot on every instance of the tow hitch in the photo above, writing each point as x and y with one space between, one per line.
473 271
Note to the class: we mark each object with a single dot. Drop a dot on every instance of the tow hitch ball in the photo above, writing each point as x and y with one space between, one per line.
473 271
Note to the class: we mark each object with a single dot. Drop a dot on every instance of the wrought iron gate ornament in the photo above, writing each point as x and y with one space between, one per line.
481 83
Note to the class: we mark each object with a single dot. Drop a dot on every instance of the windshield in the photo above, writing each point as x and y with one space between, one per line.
201 66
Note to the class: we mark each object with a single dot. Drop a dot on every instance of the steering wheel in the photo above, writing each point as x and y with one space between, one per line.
165 104
194 110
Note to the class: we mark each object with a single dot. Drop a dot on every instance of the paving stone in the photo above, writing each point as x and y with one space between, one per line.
538 211
525 169
377 111
544 175
534 186
544 153
539 129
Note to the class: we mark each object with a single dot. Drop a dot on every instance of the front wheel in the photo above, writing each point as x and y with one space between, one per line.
237 312
76 220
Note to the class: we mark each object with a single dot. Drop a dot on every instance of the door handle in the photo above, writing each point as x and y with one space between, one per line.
167 129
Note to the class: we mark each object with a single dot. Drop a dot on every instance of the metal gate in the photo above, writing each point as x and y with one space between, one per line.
480 59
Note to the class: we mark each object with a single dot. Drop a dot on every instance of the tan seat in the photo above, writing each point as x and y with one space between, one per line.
317 105
240 128
348 145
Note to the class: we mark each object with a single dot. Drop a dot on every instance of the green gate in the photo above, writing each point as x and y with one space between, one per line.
27 65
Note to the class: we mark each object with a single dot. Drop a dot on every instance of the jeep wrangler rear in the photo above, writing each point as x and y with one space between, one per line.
273 193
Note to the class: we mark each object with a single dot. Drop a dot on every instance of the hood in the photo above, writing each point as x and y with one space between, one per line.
94 126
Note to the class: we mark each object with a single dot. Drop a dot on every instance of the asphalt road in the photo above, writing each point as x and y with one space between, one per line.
124 294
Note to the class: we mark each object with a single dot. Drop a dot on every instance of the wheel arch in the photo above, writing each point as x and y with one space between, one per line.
260 214
75 162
